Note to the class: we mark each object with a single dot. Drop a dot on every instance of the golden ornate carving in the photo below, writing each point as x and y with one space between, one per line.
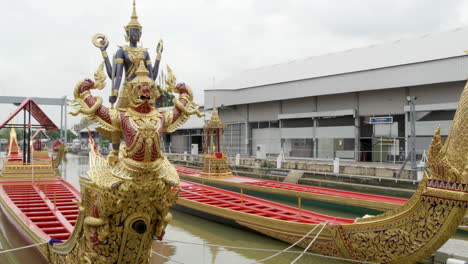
122 215
215 167
133 19
413 231
171 80
215 122
136 56
126 200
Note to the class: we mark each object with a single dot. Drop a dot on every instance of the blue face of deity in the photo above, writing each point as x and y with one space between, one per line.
134 34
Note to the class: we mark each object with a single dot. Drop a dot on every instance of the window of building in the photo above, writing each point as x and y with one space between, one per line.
298 147
274 124
265 124
336 121
438 116
253 125
298 122
234 139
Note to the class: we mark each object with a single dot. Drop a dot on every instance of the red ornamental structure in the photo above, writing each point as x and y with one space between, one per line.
215 157
30 109
38 145
56 145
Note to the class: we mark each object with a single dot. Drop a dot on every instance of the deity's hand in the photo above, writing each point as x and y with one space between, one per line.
105 45
159 48
112 99
100 41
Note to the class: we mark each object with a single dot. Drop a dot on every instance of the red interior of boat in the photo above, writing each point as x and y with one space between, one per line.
251 205
46 206
302 188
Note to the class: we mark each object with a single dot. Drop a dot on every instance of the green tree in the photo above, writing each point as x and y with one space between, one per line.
56 134
53 134
5 133
165 99
71 135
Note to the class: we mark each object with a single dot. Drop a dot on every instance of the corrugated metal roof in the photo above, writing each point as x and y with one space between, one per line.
447 70
426 47
91 127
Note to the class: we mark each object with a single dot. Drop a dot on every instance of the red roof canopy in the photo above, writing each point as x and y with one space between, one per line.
29 105
40 132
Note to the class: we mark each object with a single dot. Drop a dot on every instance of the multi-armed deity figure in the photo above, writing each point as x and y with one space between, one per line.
125 63
126 200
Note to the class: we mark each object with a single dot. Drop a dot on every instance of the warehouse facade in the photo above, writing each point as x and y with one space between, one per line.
352 104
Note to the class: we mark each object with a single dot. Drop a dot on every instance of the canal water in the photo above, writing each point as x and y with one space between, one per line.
190 239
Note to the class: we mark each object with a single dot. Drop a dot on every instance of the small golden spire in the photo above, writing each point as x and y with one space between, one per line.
142 74
215 121
142 71
133 19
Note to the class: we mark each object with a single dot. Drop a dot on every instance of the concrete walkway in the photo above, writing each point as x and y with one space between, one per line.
389 165
453 248
347 167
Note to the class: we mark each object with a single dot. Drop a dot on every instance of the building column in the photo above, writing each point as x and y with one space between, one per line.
357 136
248 133
315 141
406 133
357 130
315 127
407 93
280 125
189 141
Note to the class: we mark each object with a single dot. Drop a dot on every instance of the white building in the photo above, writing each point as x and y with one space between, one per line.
321 107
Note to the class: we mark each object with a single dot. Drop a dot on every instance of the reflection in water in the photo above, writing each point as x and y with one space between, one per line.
164 253
73 168
192 229
191 232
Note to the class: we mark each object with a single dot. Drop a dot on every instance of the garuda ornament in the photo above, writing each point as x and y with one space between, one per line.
126 198
125 202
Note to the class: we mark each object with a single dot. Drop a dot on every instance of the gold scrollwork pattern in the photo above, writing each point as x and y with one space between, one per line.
112 206
402 237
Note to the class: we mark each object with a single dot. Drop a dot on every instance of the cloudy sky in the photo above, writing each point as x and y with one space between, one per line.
46 45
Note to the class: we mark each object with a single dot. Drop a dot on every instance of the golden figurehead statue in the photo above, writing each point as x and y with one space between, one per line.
126 200
125 63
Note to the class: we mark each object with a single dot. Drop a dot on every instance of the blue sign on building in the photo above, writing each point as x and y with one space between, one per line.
381 120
